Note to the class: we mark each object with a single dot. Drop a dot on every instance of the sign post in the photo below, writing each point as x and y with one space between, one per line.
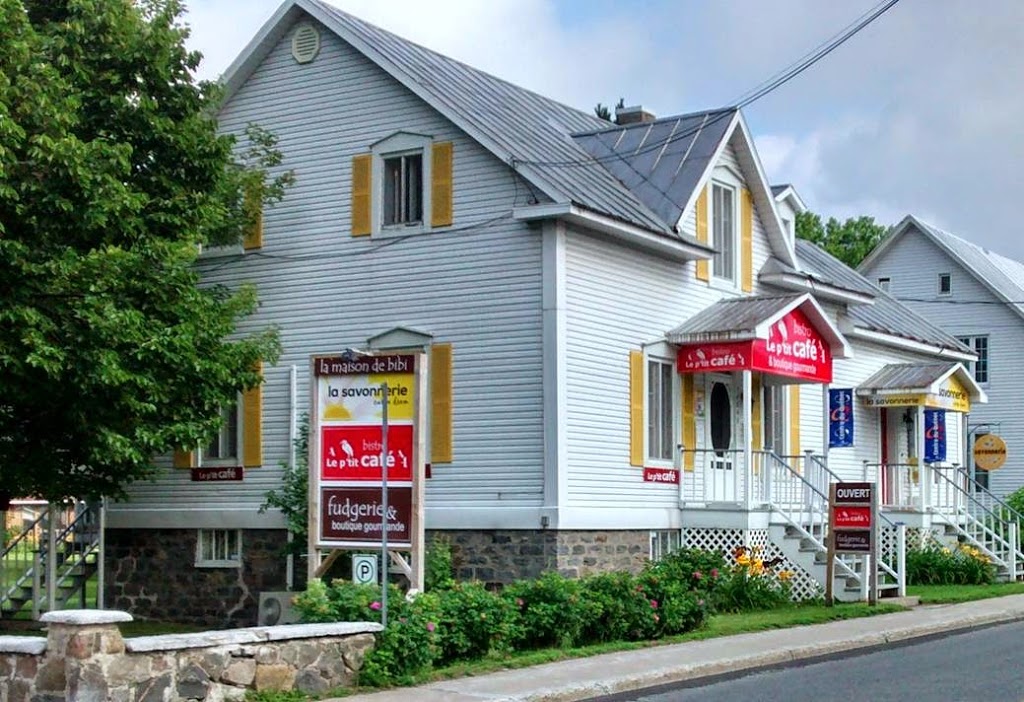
366 465
853 529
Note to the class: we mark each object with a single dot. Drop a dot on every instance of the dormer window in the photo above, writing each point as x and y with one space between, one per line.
945 284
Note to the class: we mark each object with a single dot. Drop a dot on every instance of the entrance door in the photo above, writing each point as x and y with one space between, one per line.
722 463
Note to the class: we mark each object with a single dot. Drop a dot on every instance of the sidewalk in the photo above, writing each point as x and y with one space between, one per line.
583 678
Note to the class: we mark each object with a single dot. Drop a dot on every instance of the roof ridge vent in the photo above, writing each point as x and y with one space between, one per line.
305 42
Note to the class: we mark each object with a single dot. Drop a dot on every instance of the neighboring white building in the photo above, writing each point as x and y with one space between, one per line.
574 281
977 296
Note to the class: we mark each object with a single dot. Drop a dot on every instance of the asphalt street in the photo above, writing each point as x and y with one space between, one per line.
978 665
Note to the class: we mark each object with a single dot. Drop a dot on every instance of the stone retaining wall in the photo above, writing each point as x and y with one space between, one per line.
85 659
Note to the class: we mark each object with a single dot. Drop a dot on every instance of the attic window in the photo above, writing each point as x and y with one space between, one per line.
883 283
945 284
305 43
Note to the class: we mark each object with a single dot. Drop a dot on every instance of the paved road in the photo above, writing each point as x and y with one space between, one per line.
980 665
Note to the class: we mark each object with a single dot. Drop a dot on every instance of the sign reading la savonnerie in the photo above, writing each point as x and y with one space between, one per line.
347 450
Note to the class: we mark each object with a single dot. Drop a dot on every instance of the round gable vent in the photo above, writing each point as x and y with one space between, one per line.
305 43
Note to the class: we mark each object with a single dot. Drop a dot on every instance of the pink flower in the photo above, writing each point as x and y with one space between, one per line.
700 603
657 618
714 572
375 606
430 626
519 602
697 575
654 604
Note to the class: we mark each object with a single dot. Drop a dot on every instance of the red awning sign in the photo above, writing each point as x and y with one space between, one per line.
794 348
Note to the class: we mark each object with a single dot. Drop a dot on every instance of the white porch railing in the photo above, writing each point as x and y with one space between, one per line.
984 520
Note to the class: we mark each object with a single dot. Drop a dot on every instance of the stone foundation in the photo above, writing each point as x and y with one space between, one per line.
501 556
152 574
84 657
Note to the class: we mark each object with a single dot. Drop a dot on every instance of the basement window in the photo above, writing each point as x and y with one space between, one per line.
219 548
665 542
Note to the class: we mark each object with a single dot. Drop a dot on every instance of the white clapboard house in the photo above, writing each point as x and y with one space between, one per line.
628 349
976 295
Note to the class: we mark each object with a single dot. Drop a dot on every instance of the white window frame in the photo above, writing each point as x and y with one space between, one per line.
394 146
664 542
727 278
949 279
664 359
972 366
202 459
220 537
884 283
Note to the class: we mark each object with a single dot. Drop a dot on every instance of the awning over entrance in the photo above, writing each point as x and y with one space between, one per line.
788 336
946 386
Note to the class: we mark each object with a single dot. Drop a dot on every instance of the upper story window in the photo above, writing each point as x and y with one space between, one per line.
660 422
225 447
403 189
883 283
945 284
402 186
723 232
979 368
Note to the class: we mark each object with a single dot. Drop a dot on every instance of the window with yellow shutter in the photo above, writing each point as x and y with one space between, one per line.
403 186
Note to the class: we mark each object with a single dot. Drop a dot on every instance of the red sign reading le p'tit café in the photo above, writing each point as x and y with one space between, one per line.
794 348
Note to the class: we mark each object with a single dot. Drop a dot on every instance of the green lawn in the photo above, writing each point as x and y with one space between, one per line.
949 594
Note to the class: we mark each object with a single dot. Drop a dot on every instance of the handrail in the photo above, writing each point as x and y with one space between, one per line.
990 495
993 543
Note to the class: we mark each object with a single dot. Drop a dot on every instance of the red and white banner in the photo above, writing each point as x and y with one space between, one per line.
794 348
353 453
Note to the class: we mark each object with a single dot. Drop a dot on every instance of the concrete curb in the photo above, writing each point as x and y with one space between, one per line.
612 673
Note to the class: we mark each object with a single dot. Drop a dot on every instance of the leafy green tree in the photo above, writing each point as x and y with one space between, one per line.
112 176
849 241
603 111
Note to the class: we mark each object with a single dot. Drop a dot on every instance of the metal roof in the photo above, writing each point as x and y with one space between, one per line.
886 315
779 189
528 128
734 318
662 161
907 376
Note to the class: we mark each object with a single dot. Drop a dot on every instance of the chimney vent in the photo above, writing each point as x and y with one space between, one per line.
633 115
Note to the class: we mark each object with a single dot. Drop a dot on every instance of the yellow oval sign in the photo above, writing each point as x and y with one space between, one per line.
989 452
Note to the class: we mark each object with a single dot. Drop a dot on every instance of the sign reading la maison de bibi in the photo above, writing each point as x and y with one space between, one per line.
348 461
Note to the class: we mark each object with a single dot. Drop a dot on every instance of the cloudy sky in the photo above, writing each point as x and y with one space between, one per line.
920 113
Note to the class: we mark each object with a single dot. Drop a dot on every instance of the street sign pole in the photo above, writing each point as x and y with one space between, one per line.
384 504
830 562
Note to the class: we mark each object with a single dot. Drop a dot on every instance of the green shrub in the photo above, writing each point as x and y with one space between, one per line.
438 566
935 564
552 611
407 646
677 607
620 609
472 622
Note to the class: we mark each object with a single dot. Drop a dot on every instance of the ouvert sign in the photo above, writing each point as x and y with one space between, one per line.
853 523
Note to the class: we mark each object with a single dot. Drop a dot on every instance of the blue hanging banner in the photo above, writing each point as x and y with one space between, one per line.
934 435
840 417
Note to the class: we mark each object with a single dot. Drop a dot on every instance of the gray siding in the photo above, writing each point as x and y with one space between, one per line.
477 286
913 263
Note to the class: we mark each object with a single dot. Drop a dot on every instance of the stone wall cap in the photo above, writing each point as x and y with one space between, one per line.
32 645
85 617
258 634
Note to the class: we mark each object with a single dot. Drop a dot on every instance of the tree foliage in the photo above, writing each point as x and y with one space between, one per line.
850 241
112 175
605 113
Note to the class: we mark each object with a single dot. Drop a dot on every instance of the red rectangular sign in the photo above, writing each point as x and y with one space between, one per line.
356 515
354 452
851 517
794 348
661 475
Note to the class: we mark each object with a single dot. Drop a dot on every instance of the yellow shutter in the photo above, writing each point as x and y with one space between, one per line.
183 459
703 271
441 185
252 208
756 440
747 243
689 422
362 185
636 408
252 425
794 420
441 403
